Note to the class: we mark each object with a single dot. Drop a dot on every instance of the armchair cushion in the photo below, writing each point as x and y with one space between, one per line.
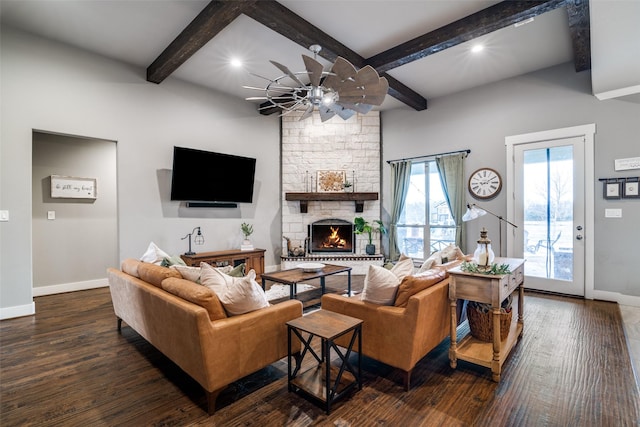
380 284
411 285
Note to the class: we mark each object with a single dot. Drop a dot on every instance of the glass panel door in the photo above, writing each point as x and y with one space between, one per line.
550 205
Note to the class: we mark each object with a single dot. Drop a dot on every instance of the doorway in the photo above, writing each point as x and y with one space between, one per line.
75 238
552 201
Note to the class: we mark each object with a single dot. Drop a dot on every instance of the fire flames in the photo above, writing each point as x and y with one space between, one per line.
334 240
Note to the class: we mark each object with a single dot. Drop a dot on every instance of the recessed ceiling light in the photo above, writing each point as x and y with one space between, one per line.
477 48
236 63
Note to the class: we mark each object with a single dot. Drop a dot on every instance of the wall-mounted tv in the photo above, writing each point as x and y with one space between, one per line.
205 176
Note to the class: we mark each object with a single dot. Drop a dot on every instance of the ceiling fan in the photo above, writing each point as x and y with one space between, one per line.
343 91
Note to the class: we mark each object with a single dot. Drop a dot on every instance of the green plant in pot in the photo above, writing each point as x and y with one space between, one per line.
364 227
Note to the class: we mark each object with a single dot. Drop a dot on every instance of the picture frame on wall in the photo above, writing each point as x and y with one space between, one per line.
631 187
73 187
612 189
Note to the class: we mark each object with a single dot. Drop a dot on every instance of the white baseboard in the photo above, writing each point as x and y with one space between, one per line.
39 291
621 299
17 311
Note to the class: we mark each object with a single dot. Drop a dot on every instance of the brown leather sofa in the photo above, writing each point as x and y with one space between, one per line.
401 336
188 324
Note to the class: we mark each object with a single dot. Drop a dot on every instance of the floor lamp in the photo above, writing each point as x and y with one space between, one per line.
474 211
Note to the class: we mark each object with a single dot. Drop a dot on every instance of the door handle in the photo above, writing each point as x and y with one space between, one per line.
579 237
579 228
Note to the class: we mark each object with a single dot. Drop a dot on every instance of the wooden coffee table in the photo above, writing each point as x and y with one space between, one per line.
296 275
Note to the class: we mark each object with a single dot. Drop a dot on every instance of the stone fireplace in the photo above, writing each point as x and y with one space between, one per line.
331 236
310 146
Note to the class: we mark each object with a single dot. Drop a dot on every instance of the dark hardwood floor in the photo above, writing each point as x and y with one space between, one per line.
68 366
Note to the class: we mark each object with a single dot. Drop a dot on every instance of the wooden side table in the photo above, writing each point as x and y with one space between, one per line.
489 289
254 259
325 383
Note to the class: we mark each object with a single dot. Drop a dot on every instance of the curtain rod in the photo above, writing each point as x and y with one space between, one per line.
429 156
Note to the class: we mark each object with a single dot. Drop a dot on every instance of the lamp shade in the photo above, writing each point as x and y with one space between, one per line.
473 212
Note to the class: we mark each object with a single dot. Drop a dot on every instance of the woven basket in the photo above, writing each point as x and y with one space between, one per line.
481 324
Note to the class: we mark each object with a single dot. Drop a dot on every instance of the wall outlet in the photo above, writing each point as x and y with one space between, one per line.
613 213
51 214
4 215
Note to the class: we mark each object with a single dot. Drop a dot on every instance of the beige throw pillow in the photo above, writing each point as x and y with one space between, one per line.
380 286
238 295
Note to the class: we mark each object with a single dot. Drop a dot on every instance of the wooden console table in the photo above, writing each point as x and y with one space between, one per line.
489 289
253 259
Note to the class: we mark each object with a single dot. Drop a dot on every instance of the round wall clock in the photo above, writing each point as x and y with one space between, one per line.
485 183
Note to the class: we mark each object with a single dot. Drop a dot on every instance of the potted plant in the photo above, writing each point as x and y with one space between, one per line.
363 227
247 230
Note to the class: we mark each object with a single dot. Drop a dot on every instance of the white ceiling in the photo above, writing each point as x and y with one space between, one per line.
137 31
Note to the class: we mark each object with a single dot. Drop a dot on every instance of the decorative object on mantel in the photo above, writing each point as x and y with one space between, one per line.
343 90
616 188
247 230
474 211
363 227
71 187
483 255
331 181
198 239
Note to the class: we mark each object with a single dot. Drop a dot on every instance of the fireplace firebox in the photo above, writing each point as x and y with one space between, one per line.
331 235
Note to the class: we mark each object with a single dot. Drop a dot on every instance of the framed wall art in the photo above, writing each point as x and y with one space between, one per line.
630 189
71 187
330 181
612 189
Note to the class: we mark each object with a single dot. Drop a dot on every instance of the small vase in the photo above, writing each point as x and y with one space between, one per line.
370 249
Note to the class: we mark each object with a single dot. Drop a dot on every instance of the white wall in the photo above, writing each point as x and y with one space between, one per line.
553 98
54 88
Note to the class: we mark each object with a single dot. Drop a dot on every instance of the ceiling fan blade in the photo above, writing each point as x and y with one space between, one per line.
288 72
375 94
344 113
343 69
325 113
314 70
359 107
307 113
367 76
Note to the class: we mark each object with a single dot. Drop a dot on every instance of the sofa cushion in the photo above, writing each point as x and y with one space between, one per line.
403 267
172 260
155 274
130 266
448 254
154 254
413 284
200 295
238 295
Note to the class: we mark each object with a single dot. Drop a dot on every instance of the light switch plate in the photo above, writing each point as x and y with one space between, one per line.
51 214
613 213
4 215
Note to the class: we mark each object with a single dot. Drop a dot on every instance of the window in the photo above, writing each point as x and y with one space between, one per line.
418 238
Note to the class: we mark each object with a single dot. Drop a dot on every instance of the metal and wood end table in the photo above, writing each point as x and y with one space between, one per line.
324 382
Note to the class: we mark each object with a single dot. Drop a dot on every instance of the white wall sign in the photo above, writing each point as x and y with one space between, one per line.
72 187
626 164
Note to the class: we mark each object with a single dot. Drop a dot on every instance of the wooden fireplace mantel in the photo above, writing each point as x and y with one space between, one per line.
305 198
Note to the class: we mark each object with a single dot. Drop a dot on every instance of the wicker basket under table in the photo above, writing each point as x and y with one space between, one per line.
481 324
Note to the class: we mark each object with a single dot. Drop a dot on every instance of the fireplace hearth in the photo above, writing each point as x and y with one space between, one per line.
331 236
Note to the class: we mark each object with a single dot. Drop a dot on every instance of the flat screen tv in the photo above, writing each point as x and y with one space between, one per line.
205 176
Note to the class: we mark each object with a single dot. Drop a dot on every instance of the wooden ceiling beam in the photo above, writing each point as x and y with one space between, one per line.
478 24
580 28
213 19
